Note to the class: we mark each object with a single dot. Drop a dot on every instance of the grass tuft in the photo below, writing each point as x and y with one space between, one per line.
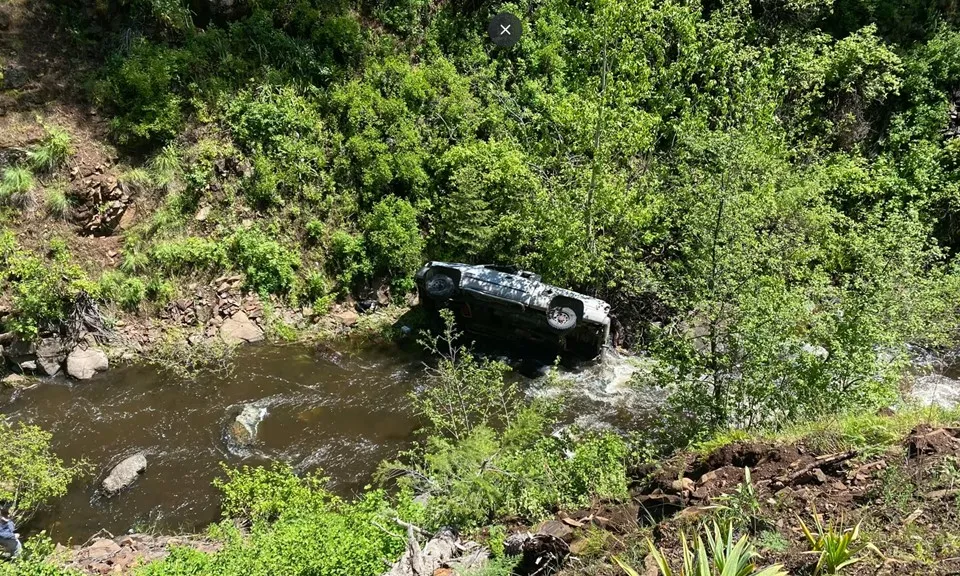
16 187
52 152
56 202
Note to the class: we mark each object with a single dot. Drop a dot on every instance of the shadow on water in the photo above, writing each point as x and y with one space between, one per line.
338 409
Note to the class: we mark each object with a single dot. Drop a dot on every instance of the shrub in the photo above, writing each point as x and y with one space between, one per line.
298 527
269 266
348 260
394 241
125 291
31 475
42 290
316 292
490 455
190 253
141 89
35 560
160 291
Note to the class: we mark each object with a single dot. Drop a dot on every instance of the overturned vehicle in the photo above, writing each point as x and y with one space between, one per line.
505 303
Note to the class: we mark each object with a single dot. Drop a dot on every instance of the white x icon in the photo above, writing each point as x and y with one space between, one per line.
505 29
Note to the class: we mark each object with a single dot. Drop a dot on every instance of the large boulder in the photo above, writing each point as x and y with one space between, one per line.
51 352
124 474
238 329
83 363
243 429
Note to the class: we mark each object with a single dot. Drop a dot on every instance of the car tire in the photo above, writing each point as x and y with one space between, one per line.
441 286
561 318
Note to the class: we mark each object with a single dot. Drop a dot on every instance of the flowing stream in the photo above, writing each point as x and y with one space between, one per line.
339 412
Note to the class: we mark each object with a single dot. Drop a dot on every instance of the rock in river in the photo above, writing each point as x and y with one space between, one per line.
125 473
243 429
83 363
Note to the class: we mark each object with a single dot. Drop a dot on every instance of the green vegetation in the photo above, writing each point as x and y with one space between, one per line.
721 556
768 198
32 474
838 547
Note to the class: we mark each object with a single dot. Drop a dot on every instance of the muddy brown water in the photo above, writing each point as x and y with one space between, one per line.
340 413
343 418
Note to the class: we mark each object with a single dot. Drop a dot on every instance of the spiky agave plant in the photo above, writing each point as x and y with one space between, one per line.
721 555
838 547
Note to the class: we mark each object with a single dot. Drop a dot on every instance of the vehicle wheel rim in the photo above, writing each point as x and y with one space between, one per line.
559 316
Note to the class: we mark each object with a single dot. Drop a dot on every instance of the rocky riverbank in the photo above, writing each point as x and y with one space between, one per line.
119 555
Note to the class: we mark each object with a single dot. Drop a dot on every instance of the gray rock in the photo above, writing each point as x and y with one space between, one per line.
20 350
243 428
29 366
125 473
51 352
83 363
239 329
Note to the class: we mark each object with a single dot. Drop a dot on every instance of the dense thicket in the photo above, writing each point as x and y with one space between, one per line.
766 191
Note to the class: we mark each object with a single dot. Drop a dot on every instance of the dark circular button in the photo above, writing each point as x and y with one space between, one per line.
505 29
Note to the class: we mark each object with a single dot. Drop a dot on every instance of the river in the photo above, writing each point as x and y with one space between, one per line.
342 417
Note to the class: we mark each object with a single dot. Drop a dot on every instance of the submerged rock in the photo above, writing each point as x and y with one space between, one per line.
83 363
243 428
124 474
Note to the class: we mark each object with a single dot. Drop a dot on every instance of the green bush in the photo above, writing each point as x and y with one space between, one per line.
394 241
190 253
141 89
348 260
298 527
491 455
36 560
126 291
42 290
31 475
269 266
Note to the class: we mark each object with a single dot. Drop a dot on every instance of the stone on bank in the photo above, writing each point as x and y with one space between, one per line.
84 363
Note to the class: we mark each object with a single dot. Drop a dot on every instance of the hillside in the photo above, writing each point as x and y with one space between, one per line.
766 192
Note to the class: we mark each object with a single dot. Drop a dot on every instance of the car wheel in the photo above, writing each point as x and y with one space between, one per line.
441 286
561 318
